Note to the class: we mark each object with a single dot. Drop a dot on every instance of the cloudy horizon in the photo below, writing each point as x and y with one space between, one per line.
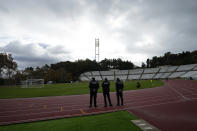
39 32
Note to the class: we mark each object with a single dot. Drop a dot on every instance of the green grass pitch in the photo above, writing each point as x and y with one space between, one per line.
68 89
115 121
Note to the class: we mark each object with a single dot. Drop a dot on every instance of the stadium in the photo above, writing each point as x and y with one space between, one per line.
100 65
168 92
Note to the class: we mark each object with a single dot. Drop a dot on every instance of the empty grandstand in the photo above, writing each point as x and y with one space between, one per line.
151 70
176 74
186 67
171 72
136 71
134 77
147 76
189 74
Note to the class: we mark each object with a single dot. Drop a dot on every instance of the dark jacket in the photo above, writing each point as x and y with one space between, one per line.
119 86
94 85
138 85
105 86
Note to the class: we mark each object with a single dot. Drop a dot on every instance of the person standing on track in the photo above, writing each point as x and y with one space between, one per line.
93 85
106 90
119 91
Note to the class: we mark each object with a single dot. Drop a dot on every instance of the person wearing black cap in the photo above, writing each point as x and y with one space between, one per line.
93 85
119 90
106 91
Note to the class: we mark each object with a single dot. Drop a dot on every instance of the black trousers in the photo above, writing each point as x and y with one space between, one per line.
93 94
119 96
108 97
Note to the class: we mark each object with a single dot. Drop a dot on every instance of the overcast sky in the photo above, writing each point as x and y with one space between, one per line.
38 32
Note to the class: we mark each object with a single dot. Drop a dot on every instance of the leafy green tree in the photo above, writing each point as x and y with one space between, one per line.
7 64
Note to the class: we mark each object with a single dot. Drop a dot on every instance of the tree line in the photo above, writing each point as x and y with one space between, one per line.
172 59
70 71
59 72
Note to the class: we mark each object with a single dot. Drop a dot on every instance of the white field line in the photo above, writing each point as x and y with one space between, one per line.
185 98
188 90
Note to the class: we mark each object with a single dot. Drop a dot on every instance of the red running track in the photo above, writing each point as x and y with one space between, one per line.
171 107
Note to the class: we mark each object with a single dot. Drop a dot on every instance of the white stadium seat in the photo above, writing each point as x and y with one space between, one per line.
176 74
121 77
163 69
189 74
147 76
134 77
194 77
88 73
135 71
168 69
164 75
172 68
95 73
195 68
151 70
186 67
107 73
109 77
84 79
98 78
157 76
121 72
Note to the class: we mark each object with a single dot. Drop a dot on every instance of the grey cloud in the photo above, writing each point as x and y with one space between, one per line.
171 23
33 54
58 49
43 45
176 16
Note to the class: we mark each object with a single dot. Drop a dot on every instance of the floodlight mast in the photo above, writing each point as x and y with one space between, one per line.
97 53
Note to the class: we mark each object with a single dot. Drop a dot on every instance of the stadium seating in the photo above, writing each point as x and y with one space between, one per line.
98 78
163 69
189 74
164 75
194 77
195 68
151 70
133 77
157 76
147 76
109 77
135 71
121 77
95 73
107 73
88 74
121 72
183 71
176 74
172 68
186 67
83 78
